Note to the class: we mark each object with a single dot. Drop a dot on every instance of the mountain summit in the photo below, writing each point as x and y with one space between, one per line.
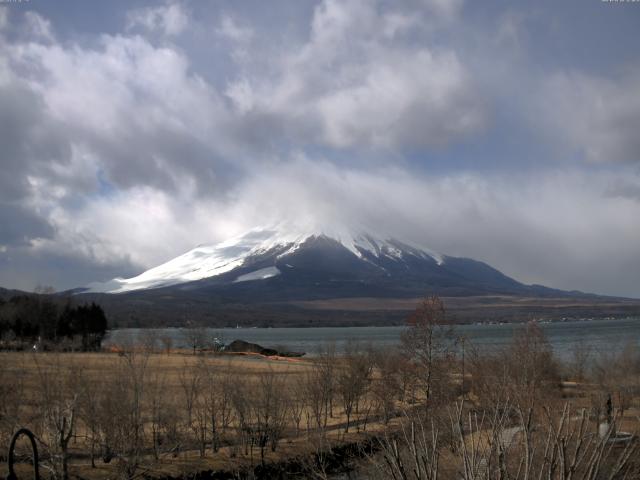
319 263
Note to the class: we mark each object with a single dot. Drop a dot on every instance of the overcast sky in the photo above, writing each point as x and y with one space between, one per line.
505 131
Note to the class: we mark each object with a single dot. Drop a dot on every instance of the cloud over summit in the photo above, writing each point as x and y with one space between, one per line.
128 139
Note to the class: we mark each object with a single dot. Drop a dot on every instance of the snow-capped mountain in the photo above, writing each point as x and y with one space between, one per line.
292 277
287 264
257 247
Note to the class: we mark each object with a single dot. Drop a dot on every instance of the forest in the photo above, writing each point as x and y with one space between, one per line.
49 322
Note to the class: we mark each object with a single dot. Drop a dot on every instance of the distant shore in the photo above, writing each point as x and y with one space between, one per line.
364 311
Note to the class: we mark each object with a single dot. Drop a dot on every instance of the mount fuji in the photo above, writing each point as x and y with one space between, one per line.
293 277
338 261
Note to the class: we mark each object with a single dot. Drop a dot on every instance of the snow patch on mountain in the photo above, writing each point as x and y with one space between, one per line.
261 274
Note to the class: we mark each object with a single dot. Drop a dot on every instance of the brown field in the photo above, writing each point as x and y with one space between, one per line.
175 370
474 302
487 307
161 415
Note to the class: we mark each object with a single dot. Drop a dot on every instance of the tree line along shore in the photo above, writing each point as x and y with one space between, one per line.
47 322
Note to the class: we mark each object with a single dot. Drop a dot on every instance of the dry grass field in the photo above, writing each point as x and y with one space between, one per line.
178 384
488 307
139 413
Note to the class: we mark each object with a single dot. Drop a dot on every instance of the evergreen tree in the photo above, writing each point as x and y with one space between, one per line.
30 317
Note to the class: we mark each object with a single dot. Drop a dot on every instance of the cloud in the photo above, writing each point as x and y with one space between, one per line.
38 27
25 268
21 226
85 130
132 109
414 100
598 116
627 187
350 87
123 150
122 226
230 28
238 36
4 17
556 228
170 19
30 140
445 8
140 114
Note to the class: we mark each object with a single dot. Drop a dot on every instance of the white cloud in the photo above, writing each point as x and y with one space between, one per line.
350 87
37 27
124 140
241 95
124 226
556 228
561 228
239 38
600 117
171 19
4 17
232 30
416 99
135 108
446 8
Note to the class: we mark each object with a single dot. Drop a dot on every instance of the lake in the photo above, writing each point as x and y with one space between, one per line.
599 335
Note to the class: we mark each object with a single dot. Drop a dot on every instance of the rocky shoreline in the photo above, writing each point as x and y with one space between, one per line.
240 346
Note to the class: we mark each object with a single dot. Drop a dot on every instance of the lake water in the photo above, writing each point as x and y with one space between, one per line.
599 335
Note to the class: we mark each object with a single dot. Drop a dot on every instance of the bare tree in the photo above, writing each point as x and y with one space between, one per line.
90 394
318 389
554 445
241 394
191 383
386 386
58 407
297 401
149 340
122 411
413 454
135 368
218 402
195 338
533 370
325 366
428 342
525 372
353 379
156 406
269 407
167 343
616 372
581 354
